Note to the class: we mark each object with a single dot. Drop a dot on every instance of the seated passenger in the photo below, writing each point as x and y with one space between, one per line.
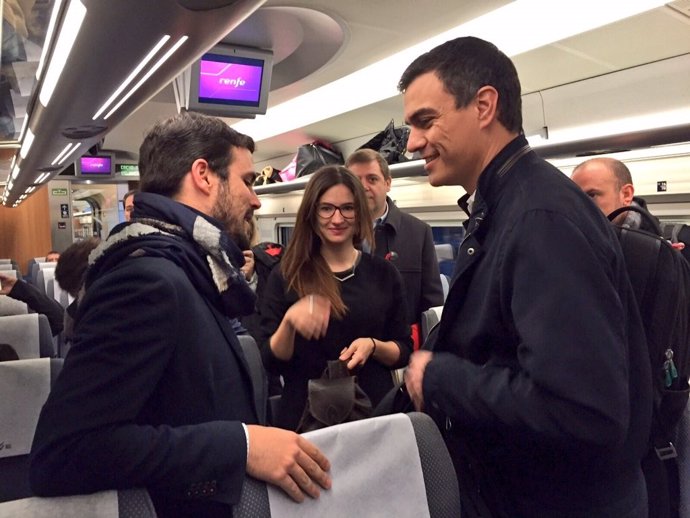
329 301
34 299
52 256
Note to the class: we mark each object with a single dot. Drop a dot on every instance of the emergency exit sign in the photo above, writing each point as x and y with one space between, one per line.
127 169
59 192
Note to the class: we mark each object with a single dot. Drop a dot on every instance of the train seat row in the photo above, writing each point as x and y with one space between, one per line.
25 385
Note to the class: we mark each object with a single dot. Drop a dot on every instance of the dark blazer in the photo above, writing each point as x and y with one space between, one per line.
540 375
409 244
152 393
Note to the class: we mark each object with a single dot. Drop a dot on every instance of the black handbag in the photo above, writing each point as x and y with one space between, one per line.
334 398
311 157
391 143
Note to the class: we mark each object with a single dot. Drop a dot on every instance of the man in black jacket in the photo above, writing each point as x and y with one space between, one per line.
539 374
400 237
156 391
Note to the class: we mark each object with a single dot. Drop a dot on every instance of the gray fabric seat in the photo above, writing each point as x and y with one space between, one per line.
24 385
430 318
128 503
440 481
10 306
29 334
256 369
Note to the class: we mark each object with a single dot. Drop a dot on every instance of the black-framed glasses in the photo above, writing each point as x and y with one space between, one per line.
327 210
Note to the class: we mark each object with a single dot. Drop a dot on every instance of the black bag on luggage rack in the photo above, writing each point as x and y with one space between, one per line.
660 277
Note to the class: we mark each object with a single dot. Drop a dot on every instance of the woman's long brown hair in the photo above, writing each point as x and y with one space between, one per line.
303 266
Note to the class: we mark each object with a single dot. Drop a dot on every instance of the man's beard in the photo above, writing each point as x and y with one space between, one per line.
236 228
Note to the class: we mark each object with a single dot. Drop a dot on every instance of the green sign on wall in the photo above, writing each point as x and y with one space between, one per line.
59 192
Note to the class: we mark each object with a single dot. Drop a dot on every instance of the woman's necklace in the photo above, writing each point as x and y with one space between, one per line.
350 272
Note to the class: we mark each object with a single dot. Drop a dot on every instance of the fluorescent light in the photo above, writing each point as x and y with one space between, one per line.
30 189
15 172
655 152
60 158
70 153
49 37
24 126
68 34
41 178
131 76
644 122
155 67
558 20
28 140
61 153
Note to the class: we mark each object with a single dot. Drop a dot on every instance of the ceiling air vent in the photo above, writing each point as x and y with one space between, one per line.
83 132
50 168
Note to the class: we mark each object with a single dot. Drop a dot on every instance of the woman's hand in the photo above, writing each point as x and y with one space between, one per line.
358 352
309 316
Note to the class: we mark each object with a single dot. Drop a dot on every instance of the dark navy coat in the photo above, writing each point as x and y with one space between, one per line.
541 376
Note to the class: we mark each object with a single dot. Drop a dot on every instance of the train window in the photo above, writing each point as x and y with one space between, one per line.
285 233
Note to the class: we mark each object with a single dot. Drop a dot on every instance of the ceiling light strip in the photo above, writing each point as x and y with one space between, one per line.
68 34
365 86
15 173
131 76
62 153
155 67
26 145
49 37
70 153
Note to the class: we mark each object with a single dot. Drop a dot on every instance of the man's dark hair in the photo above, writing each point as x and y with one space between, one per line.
172 145
72 264
365 156
464 65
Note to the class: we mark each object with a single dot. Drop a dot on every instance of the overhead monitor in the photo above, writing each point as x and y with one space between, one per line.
95 166
231 81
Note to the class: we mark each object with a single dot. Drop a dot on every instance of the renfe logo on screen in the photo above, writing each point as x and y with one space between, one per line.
221 81
95 165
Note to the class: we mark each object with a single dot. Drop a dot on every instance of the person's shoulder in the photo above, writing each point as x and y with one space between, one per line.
408 221
378 265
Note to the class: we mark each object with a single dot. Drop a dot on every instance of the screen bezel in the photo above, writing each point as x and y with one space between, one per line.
232 109
88 174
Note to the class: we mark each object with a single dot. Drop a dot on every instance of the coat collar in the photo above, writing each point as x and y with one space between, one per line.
394 217
492 178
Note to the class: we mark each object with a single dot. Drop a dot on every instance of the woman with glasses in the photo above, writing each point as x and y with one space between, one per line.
329 301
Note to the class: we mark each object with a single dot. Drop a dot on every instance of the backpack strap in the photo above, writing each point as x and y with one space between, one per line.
645 215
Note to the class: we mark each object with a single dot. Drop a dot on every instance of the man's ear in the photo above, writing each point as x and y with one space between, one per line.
627 192
201 176
486 101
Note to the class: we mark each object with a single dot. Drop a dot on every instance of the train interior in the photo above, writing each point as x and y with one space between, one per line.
81 81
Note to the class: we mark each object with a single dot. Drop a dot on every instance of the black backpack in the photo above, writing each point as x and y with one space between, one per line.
660 277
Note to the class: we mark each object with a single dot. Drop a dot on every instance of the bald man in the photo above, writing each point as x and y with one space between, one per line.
609 183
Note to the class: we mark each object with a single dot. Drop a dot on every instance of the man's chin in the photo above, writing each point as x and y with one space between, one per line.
241 240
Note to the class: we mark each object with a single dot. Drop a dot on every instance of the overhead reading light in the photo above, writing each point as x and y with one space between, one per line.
559 20
28 140
49 37
68 34
155 67
131 76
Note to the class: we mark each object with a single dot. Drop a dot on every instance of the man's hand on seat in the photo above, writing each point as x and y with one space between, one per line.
288 461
